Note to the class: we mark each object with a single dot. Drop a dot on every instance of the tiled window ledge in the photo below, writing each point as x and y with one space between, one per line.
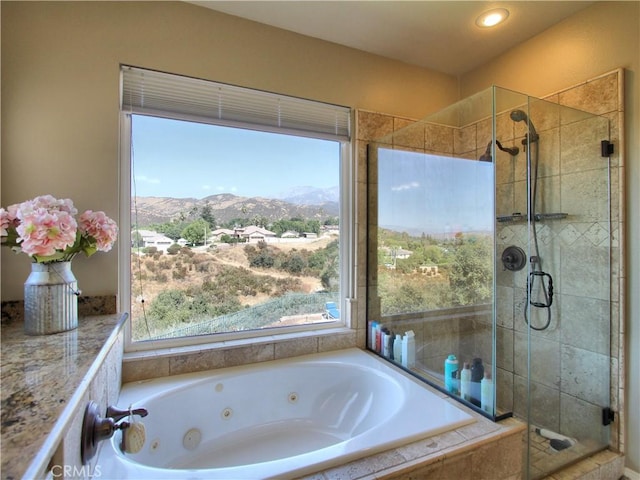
194 358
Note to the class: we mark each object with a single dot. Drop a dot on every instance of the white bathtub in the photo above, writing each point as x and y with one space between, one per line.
279 419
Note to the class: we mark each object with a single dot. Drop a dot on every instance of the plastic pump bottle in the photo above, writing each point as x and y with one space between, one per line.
450 373
465 382
486 393
409 349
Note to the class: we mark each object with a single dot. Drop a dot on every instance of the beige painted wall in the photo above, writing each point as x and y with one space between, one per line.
60 100
596 40
60 65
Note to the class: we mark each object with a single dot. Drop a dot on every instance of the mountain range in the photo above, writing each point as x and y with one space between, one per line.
305 202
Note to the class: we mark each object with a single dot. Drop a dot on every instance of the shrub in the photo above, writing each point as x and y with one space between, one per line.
262 260
179 273
160 277
164 264
294 264
174 249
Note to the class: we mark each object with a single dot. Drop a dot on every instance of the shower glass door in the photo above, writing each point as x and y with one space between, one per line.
561 301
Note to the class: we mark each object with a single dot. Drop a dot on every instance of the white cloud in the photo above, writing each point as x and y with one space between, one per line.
406 186
145 179
206 187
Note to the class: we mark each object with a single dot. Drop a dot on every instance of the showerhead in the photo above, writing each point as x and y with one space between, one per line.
520 116
486 156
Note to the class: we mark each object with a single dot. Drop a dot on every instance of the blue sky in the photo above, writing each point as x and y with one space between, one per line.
183 159
434 194
417 192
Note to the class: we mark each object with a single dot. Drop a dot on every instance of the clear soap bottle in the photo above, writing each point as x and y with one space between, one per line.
465 382
409 349
397 348
486 393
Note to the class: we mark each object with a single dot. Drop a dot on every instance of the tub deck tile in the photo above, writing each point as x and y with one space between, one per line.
482 450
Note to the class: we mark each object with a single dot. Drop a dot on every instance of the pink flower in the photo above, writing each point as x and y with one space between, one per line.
43 202
100 227
5 222
43 232
45 228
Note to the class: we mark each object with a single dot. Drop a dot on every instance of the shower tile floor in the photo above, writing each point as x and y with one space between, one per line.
545 460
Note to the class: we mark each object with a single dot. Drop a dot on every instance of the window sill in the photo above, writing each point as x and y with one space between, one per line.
161 362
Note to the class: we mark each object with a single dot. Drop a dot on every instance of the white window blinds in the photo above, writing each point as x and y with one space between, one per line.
149 92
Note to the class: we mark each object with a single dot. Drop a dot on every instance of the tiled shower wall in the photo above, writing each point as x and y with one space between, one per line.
568 367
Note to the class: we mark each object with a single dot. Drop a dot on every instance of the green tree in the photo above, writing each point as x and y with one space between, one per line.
206 213
136 240
172 229
194 233
471 273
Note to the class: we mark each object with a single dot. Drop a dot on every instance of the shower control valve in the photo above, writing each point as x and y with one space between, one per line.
513 258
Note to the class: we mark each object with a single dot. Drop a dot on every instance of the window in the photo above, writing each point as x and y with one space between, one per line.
238 207
434 238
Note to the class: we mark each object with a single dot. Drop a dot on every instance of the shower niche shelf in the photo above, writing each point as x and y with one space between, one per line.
518 217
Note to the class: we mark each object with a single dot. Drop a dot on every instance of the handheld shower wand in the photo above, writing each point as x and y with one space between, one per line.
520 116
531 138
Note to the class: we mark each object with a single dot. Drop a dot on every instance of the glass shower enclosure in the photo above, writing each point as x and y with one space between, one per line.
489 264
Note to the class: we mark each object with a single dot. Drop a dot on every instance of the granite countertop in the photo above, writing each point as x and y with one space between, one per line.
40 377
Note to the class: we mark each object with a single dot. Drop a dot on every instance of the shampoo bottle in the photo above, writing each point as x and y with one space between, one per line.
450 373
397 348
409 349
389 345
465 382
486 393
477 374
372 335
383 342
379 328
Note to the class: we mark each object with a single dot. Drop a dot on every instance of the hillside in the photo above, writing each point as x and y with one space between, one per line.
226 207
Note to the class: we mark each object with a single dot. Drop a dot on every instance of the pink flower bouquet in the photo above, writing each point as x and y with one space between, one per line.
45 228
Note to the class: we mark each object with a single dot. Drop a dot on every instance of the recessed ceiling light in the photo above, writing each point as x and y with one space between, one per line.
492 17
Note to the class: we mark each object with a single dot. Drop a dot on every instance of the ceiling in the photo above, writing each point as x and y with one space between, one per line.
439 35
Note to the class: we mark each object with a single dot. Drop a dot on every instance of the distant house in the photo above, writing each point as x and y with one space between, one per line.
429 270
217 234
290 234
330 229
309 235
155 239
402 253
253 234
